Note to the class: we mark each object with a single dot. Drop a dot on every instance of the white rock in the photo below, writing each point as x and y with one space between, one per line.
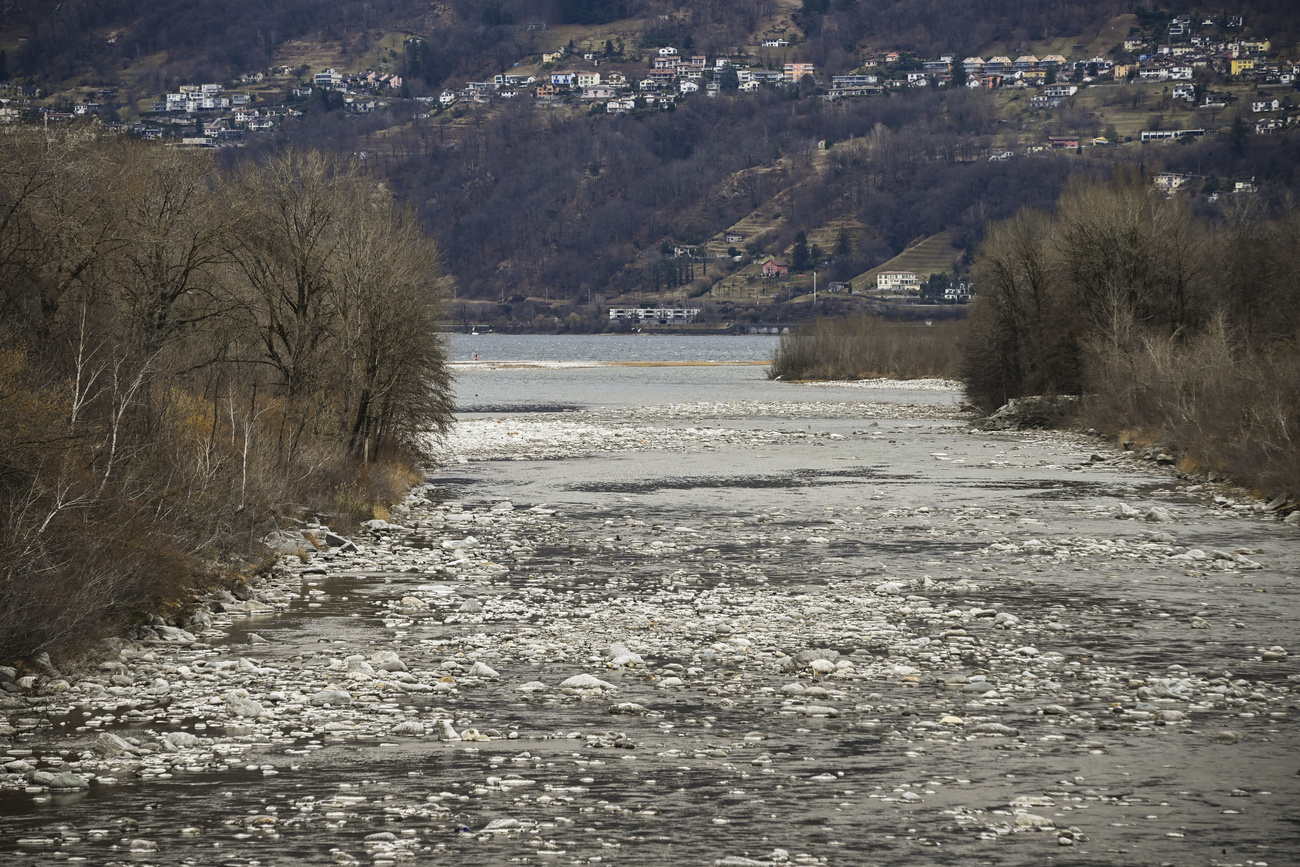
386 660
331 695
619 656
585 681
532 686
239 704
410 727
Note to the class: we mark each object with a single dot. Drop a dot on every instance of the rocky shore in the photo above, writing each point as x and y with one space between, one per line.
794 632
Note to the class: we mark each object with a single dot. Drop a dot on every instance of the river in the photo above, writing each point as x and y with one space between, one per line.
657 609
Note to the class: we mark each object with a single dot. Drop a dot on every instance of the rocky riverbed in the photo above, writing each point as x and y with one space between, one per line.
791 631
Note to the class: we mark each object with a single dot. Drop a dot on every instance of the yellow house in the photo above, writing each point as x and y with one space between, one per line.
588 79
1242 64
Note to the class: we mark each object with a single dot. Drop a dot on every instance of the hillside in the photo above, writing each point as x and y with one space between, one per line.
934 255
550 201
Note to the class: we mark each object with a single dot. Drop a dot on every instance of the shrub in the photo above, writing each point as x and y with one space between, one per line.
185 354
1172 328
1226 408
863 346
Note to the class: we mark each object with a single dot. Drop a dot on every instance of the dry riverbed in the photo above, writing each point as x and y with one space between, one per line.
764 633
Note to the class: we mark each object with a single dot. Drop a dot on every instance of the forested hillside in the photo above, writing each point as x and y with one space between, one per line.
553 206
578 204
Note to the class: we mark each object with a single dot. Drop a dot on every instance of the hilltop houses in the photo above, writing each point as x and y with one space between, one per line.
1190 50
669 76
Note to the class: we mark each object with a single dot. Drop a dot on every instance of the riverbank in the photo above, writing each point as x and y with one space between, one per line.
792 630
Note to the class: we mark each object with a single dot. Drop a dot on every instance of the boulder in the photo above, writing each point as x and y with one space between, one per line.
386 660
331 695
585 681
1035 411
238 703
109 745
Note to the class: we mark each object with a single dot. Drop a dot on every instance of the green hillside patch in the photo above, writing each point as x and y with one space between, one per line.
934 255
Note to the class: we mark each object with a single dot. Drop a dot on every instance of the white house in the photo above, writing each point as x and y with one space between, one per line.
658 314
897 281
328 78
1170 181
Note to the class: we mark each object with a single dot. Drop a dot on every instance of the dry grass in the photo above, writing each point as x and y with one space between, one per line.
931 256
867 347
1225 409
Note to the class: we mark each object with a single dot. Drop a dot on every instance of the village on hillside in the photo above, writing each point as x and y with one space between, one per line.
1202 62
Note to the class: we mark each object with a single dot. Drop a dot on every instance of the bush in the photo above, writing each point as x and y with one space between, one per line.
863 346
1172 328
186 354
1225 408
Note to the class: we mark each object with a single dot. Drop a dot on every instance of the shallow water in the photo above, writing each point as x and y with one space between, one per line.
531 373
679 520
606 348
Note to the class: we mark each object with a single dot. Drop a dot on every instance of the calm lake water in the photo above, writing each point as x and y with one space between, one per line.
612 347
592 371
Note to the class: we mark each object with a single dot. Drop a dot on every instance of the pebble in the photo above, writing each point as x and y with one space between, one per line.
740 652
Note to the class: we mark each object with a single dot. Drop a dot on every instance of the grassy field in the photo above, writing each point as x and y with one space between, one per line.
932 256
1130 108
1095 45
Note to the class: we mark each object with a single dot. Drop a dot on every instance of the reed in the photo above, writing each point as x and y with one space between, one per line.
1224 408
863 346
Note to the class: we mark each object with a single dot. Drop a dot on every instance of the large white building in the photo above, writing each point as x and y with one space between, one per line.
657 314
897 281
